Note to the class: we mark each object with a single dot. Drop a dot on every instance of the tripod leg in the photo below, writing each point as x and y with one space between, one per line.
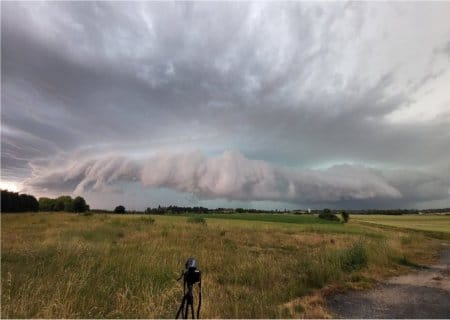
181 309
189 303
199 299
185 315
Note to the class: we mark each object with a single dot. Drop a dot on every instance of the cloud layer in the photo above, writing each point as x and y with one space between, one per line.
231 176
296 85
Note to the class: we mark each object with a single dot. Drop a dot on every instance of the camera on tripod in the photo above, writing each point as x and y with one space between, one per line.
191 274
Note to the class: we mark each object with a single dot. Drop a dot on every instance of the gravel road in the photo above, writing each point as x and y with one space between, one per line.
424 294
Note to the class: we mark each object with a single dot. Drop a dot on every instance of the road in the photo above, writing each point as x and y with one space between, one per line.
424 294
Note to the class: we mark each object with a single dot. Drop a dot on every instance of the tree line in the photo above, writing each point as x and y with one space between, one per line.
63 203
181 210
15 202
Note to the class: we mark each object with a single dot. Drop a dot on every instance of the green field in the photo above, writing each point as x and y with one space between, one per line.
255 266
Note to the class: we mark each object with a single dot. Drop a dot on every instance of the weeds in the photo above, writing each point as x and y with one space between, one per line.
321 268
354 258
6 294
198 220
107 267
408 263
299 308
147 220
406 240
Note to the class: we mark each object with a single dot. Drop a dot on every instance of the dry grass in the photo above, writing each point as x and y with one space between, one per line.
107 266
437 226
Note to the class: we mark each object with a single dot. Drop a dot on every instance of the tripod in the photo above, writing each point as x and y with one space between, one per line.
188 300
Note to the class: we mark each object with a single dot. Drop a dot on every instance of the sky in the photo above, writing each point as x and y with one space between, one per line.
227 104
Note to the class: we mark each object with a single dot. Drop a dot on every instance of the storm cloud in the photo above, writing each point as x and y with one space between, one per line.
231 176
343 103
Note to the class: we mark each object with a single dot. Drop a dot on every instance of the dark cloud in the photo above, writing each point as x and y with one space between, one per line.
297 85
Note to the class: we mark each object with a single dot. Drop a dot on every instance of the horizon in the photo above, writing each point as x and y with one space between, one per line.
236 105
278 210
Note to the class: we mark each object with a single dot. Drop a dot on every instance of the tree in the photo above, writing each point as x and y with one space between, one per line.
15 202
79 205
328 215
345 216
64 203
27 203
119 209
46 204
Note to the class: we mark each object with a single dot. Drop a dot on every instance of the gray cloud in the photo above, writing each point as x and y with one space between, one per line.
231 176
298 85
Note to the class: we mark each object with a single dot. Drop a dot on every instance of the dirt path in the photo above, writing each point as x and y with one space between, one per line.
425 294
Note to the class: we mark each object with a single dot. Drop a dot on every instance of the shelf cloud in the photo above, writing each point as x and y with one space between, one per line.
231 176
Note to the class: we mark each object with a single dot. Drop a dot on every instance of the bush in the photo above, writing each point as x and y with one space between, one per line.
328 215
345 216
354 258
119 209
321 268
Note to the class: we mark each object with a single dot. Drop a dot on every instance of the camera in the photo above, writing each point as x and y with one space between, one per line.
191 275
191 264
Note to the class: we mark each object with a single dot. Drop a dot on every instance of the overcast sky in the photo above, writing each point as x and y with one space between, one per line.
263 105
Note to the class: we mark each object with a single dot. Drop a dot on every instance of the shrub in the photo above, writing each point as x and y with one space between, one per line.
345 216
328 215
119 209
354 258
321 268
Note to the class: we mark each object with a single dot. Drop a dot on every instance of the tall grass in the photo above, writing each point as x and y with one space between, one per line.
106 266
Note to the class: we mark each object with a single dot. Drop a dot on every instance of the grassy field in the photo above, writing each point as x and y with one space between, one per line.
254 266
433 225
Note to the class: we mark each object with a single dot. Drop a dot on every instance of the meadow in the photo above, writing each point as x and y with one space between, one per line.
434 225
65 265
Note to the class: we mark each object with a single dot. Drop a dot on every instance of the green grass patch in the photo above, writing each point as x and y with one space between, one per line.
279 218
146 220
354 258
198 220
